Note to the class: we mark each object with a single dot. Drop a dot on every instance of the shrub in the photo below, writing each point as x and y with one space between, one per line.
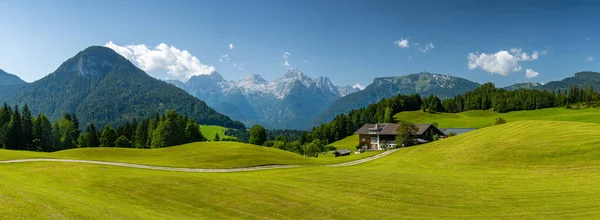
500 121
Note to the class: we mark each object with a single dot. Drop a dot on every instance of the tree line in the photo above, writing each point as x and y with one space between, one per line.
485 97
19 130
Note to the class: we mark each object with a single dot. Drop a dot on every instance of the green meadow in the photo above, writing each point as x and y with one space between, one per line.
221 154
209 131
484 118
519 170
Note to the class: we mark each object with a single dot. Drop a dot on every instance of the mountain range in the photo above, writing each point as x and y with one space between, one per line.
443 86
289 102
100 86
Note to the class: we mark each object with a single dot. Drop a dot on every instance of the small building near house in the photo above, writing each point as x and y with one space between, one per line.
343 152
383 136
456 131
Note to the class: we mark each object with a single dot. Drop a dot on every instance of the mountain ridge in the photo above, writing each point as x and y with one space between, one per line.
424 83
287 102
98 85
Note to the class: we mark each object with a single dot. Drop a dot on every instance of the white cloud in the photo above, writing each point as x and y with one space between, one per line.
231 47
178 63
589 59
502 62
286 56
358 86
402 43
427 47
224 58
529 73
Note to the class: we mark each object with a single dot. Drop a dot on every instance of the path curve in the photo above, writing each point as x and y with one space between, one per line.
196 170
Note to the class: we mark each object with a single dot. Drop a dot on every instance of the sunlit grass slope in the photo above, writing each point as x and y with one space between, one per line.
521 170
479 119
194 155
209 131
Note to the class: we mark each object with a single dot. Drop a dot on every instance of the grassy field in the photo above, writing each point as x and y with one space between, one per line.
194 155
520 170
480 119
209 131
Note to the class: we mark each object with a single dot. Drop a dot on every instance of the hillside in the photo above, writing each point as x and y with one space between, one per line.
509 171
193 155
100 86
480 119
443 86
527 85
580 79
10 84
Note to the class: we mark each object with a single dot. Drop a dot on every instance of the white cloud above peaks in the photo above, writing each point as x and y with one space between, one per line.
529 73
503 62
177 63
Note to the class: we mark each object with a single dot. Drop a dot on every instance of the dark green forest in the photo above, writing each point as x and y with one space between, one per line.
19 130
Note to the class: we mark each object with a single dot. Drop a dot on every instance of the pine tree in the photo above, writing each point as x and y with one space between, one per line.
141 135
15 139
42 134
27 126
90 137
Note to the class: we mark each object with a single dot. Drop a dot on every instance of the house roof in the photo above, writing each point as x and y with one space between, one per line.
390 129
343 151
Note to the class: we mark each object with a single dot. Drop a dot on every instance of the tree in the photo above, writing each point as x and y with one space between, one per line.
500 121
108 137
405 132
192 132
217 138
122 141
15 138
281 138
169 132
258 135
67 132
141 135
388 117
42 134
27 126
90 137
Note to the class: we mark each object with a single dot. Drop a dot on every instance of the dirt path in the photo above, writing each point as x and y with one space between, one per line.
197 170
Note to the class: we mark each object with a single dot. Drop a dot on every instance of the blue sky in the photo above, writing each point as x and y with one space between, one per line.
349 41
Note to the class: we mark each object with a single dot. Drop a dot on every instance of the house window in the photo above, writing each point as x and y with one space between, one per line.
364 139
374 140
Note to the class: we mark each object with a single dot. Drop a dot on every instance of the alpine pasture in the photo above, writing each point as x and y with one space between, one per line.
527 169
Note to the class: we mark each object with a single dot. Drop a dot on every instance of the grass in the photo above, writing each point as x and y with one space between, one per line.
480 119
194 155
209 131
349 142
520 170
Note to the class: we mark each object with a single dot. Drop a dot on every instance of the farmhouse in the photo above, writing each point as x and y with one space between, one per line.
381 136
